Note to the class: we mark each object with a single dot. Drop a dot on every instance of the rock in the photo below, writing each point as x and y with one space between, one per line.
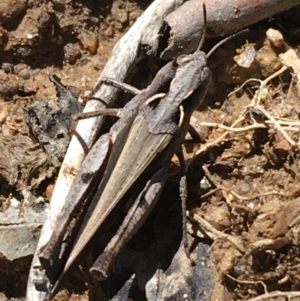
246 56
275 37
89 41
97 62
7 68
20 227
24 73
268 59
72 53
119 13
9 85
9 9
282 146
21 223
109 32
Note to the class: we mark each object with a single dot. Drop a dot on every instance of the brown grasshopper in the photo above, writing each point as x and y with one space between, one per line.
142 153
102 155
135 153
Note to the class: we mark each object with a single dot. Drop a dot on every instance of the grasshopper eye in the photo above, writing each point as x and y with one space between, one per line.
206 75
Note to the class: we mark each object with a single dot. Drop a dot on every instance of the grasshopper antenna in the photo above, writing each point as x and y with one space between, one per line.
204 29
226 40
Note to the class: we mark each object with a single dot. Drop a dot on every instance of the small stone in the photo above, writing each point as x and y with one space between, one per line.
101 50
119 13
72 53
30 87
97 63
64 22
89 41
24 73
123 17
275 37
24 51
118 25
9 9
282 146
268 59
7 68
246 57
109 32
8 84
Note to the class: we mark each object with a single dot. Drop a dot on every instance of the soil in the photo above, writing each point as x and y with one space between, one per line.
244 193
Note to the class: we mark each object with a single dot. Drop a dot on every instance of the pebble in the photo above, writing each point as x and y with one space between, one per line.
8 84
109 32
97 63
282 146
24 73
49 191
3 116
246 57
89 41
101 50
123 17
9 9
275 37
24 51
267 59
72 53
119 13
7 68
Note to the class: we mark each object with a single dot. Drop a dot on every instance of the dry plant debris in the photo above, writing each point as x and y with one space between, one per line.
250 187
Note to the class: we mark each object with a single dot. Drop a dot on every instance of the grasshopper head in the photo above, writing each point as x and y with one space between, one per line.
192 77
193 67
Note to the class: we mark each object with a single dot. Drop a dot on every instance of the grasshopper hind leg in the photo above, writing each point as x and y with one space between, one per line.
135 218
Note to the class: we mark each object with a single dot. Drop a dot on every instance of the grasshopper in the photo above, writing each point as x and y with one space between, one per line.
142 153
97 162
135 153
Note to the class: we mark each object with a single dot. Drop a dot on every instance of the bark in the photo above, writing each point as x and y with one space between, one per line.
223 18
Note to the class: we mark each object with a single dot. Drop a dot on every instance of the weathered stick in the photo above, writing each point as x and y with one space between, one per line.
124 57
223 18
